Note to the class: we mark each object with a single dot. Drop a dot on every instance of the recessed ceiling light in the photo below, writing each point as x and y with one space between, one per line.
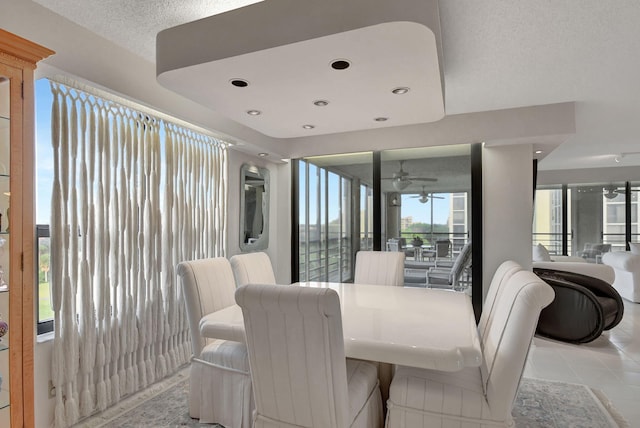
340 64
381 119
538 152
240 83
263 154
308 126
400 90
254 112
321 103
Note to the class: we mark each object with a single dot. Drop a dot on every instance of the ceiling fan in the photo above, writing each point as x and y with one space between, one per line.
424 196
610 192
402 179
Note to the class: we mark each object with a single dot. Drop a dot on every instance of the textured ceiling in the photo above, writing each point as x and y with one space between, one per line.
495 55
135 24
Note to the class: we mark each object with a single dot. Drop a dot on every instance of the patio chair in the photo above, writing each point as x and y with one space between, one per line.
593 252
442 276
442 247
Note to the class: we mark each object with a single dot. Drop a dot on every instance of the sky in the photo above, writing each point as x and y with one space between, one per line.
44 152
421 213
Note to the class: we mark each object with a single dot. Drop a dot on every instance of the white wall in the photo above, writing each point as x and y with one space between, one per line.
507 186
279 247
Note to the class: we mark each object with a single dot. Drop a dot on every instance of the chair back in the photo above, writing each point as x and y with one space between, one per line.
296 354
508 334
442 247
379 268
500 277
392 245
252 268
459 265
207 286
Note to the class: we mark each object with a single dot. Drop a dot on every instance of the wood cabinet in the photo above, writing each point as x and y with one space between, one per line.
18 59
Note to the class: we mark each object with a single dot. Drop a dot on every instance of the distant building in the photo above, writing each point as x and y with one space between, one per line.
405 222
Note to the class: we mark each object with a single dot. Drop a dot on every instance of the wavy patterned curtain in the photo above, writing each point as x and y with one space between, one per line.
133 195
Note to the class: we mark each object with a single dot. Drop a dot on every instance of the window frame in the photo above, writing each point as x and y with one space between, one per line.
43 327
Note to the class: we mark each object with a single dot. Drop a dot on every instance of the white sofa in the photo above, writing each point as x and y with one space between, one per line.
626 266
600 271
543 260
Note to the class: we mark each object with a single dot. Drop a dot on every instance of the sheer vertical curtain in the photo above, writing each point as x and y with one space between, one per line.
133 195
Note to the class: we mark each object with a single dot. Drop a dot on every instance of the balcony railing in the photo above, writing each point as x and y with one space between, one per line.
325 259
429 238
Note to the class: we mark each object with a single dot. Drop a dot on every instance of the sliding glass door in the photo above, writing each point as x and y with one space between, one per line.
329 196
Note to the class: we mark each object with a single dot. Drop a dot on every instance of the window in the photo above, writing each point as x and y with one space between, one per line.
596 213
325 235
43 290
44 183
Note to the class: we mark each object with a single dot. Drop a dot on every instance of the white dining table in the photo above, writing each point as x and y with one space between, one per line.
427 328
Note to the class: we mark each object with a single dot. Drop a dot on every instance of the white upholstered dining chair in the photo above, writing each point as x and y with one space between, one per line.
500 278
379 268
220 383
301 377
476 397
252 268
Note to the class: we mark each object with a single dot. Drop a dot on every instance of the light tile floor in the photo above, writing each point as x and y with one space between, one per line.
610 363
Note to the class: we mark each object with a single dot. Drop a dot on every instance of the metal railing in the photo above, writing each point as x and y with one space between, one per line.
325 259
458 240
551 241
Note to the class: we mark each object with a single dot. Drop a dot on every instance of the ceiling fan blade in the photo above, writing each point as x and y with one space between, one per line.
421 178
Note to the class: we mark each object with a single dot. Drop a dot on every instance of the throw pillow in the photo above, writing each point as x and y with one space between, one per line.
540 253
634 247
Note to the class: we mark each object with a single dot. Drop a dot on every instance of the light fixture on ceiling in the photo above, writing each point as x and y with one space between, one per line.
263 154
321 103
254 112
381 119
239 83
340 64
612 191
401 90
402 179
308 126
400 183
423 197
538 152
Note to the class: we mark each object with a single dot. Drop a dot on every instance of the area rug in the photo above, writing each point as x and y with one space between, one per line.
540 403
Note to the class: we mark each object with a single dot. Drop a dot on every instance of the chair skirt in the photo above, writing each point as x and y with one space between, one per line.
427 398
365 400
221 392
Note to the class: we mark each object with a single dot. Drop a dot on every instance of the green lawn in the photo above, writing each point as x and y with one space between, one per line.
44 302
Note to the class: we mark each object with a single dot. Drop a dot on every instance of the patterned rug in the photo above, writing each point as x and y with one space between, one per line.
540 403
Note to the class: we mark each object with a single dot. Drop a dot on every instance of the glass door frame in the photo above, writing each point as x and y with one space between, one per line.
476 219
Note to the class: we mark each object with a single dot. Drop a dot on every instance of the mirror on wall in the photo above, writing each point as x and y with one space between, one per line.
254 208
